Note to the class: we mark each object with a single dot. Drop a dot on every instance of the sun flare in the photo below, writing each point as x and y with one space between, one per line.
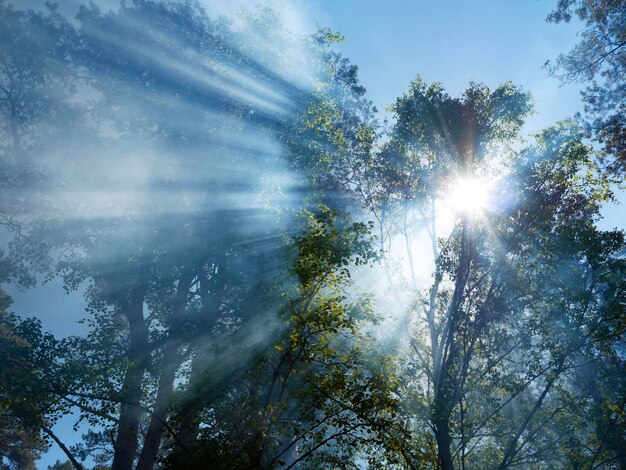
469 195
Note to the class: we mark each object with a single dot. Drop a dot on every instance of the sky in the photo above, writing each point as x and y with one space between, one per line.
450 41
454 42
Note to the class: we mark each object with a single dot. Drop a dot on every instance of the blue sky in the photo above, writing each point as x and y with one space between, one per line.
454 42
451 41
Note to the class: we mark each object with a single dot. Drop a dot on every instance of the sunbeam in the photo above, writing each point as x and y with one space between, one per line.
469 195
265 274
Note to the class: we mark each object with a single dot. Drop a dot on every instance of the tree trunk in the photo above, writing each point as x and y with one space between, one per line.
445 351
189 417
211 291
130 412
171 363
444 446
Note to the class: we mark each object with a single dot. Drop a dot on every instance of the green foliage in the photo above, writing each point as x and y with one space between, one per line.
223 328
599 59
26 355
321 394
429 121
325 246
58 465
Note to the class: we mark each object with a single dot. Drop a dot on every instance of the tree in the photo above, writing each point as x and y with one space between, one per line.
497 334
436 142
161 281
204 187
600 54
316 394
126 268
20 439
31 359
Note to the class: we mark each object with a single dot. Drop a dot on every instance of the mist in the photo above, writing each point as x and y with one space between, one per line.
215 253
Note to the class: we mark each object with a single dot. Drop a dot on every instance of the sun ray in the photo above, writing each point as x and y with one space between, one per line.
468 195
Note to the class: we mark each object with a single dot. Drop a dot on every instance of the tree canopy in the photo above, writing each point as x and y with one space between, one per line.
600 60
273 279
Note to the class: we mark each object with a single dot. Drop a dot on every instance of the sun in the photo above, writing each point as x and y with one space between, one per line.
468 194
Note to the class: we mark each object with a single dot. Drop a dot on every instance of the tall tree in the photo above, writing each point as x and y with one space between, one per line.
498 332
317 393
437 143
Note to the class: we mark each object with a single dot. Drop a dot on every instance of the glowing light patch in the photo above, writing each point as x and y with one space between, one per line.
469 195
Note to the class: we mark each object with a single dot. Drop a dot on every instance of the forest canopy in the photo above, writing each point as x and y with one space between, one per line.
276 277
